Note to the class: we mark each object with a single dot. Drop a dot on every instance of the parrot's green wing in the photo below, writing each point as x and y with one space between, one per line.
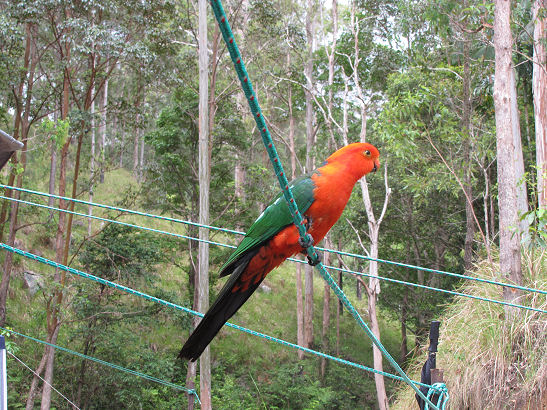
275 217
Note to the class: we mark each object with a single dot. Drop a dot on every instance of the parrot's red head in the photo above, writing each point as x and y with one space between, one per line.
360 157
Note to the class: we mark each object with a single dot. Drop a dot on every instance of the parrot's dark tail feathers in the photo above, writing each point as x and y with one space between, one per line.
224 307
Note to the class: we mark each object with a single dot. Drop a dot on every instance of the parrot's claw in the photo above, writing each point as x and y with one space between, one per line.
306 242
317 261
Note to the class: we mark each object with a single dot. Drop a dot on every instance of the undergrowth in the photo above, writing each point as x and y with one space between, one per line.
490 362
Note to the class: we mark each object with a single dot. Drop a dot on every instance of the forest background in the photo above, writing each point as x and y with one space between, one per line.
105 97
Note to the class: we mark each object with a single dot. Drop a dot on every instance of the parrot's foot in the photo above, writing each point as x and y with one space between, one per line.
306 242
315 262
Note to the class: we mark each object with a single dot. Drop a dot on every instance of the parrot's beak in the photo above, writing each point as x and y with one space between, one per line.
376 166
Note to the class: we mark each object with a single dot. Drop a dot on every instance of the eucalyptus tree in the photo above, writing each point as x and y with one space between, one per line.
510 257
540 98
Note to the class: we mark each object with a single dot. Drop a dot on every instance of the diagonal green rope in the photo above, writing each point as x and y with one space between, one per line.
231 231
154 299
105 363
228 36
351 272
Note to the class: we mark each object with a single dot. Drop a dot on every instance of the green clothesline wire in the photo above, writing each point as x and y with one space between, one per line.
105 363
252 100
116 222
119 209
231 231
172 305
347 271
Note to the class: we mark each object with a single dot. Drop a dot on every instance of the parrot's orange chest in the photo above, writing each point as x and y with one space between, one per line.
331 194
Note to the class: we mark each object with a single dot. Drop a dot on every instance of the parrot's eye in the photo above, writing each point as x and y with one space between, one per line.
367 153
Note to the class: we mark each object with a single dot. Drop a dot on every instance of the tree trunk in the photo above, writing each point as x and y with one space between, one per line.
492 210
138 128
510 259
141 158
331 55
522 197
204 182
539 89
9 193
373 289
467 182
6 273
91 168
239 179
52 327
299 305
485 199
19 92
191 382
60 278
340 278
299 311
376 353
17 121
326 314
122 143
51 313
404 339
35 380
52 175
48 376
192 287
308 72
104 111
372 292
136 147
23 114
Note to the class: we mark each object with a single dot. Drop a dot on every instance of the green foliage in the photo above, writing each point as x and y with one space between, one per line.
536 218
173 176
419 114
11 49
11 347
292 387
57 130
122 252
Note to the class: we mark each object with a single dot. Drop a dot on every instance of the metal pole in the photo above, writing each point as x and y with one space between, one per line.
431 363
3 375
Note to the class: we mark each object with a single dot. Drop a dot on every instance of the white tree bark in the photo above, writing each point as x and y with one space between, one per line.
299 305
539 90
204 182
373 288
91 168
510 259
102 129
308 71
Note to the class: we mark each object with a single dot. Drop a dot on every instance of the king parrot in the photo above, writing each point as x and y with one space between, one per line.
321 197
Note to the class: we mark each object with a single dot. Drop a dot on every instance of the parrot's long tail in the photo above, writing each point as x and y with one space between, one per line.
234 294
